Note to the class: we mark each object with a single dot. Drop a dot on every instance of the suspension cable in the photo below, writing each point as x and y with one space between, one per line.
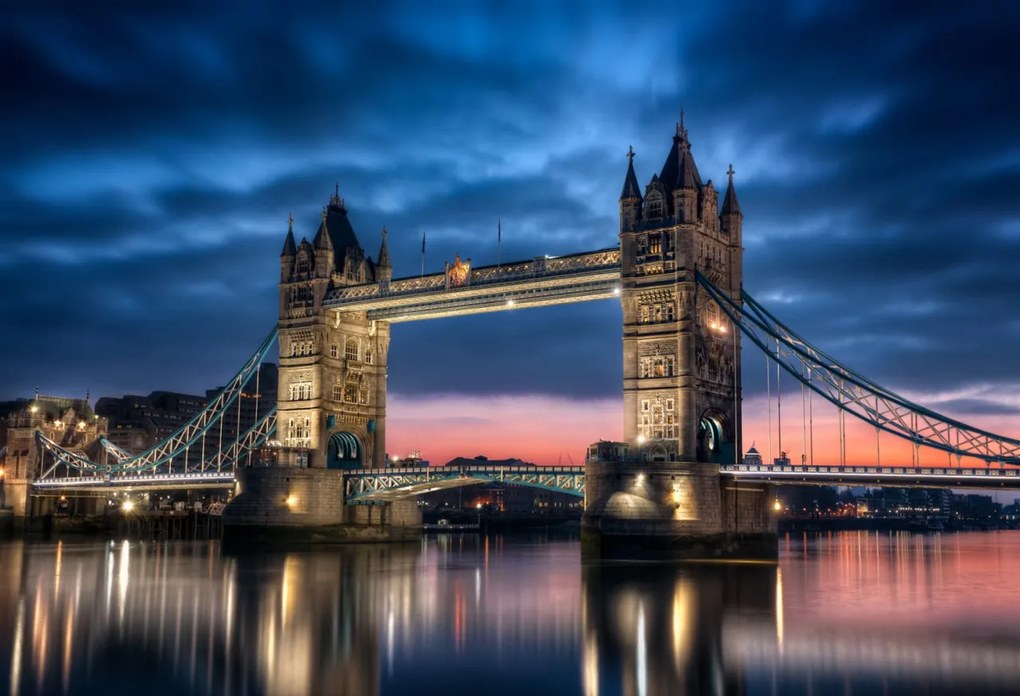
768 399
859 396
779 408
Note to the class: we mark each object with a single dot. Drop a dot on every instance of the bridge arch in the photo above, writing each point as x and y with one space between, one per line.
344 451
715 437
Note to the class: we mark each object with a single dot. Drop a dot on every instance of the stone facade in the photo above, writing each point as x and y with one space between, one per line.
310 502
681 355
332 377
681 378
331 405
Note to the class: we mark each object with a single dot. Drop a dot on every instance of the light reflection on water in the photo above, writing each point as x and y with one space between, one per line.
843 613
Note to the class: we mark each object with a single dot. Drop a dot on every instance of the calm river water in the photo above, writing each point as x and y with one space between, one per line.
847 613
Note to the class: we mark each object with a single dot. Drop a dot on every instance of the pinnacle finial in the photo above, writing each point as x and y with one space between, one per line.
384 232
630 153
730 172
336 191
324 210
290 222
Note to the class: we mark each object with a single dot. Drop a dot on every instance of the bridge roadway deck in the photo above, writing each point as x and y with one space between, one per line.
383 485
907 477
593 275
148 482
387 484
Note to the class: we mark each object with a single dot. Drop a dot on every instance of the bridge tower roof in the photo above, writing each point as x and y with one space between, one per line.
337 226
679 169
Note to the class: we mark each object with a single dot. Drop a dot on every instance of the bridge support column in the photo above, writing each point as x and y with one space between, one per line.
674 511
290 504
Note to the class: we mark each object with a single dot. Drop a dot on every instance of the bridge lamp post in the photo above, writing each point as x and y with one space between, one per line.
640 441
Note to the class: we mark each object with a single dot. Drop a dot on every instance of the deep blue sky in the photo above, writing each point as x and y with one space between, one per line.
151 154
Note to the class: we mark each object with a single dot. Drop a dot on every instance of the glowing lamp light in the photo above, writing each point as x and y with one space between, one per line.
777 506
291 501
478 506
676 496
616 290
33 408
59 424
510 303
395 459
128 505
641 439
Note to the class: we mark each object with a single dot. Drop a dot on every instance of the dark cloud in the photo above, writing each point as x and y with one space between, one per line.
155 150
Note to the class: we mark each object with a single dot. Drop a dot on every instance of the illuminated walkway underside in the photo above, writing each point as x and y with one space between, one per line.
542 281
385 485
396 484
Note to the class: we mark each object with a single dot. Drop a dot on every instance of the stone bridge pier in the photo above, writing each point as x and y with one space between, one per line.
659 492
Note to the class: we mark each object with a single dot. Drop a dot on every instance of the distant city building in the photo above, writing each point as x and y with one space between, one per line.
753 457
136 423
69 422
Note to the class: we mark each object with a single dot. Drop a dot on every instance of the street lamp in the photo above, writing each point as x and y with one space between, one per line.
640 441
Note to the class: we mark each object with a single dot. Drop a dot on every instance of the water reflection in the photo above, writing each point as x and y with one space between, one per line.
847 613
657 629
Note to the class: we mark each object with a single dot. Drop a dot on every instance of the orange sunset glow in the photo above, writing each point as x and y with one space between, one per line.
549 430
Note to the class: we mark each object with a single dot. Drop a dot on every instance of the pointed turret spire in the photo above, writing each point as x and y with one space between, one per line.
730 204
630 184
322 237
679 170
335 200
289 247
384 251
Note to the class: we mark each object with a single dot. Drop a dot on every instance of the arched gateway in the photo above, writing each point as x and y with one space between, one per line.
660 488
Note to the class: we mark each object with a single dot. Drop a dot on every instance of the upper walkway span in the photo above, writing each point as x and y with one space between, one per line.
544 280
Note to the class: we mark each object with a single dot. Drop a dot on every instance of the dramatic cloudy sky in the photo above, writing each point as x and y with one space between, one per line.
151 154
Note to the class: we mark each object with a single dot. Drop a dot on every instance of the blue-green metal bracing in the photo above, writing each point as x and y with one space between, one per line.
177 453
855 394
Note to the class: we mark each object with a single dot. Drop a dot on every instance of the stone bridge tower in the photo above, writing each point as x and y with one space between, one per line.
681 376
332 398
331 410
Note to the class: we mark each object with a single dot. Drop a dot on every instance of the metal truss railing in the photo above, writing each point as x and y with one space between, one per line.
118 453
253 438
193 479
1002 478
161 457
855 394
88 472
363 483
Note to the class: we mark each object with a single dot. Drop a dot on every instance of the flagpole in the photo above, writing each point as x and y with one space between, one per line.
499 239
422 253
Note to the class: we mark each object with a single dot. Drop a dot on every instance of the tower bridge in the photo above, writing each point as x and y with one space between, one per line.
674 483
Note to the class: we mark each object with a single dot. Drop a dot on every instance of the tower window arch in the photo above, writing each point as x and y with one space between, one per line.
351 349
654 205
